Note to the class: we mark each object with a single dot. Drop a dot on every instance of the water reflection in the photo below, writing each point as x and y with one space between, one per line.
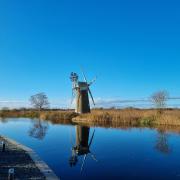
118 149
162 144
82 146
38 129
3 120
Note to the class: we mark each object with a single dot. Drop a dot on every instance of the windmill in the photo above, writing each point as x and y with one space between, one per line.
82 147
81 91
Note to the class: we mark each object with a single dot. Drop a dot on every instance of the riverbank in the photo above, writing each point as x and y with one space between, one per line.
24 162
132 117
55 116
111 117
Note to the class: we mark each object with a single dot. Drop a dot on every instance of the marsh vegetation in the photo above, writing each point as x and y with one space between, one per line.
112 117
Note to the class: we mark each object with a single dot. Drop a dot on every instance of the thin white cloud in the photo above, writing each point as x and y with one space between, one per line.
139 103
9 101
100 102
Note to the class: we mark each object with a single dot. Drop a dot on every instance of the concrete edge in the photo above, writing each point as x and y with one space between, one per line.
41 165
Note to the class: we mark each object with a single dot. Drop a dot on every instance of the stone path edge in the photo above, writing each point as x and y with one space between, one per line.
41 165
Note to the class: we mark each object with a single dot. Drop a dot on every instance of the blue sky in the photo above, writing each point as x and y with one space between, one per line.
132 46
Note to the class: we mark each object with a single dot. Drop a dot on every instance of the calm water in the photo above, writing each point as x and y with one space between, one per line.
110 153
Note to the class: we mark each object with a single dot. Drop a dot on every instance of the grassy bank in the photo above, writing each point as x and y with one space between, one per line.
110 117
132 117
57 116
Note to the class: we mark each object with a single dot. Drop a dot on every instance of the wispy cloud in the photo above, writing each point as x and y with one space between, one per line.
61 103
13 104
14 101
115 102
100 102
141 103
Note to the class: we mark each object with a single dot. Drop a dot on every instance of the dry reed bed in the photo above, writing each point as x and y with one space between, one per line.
58 116
19 113
53 116
133 117
115 118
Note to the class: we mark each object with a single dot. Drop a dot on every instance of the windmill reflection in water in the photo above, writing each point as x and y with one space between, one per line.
82 146
81 91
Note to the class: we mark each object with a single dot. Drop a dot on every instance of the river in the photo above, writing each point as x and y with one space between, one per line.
78 152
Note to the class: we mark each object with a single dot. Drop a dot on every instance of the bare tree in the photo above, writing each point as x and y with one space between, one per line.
39 129
39 101
162 144
159 99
